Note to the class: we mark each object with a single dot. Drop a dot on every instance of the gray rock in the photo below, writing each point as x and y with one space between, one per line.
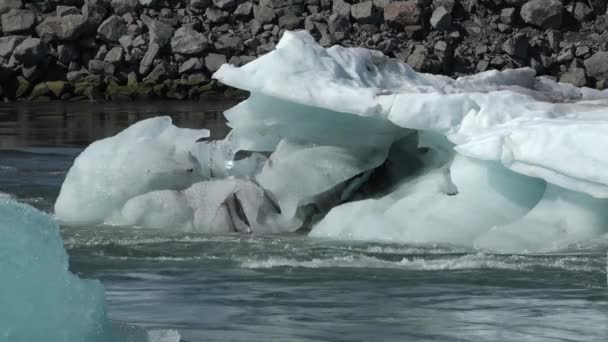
30 51
148 3
112 29
229 44
517 46
256 27
342 8
290 22
7 5
400 14
115 55
543 13
95 15
98 67
338 23
76 76
192 64
16 21
597 65
160 33
507 15
126 42
582 51
214 61
67 10
188 41
69 27
441 19
263 14
574 76
148 59
200 4
554 37
158 74
244 10
8 44
67 53
215 15
582 11
418 58
364 12
224 4
565 56
124 6
139 41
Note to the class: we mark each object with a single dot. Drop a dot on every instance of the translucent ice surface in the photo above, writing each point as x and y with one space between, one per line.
355 145
40 299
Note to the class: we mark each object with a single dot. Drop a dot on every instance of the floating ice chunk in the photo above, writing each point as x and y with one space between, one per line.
40 299
150 155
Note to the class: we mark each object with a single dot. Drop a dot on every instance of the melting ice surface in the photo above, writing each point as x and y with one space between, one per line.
40 299
353 145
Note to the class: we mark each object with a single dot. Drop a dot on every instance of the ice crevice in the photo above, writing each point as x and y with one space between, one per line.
346 143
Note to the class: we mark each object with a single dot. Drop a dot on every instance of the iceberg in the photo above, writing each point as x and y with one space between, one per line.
40 299
347 143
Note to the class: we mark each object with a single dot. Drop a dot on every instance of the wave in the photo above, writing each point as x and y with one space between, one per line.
466 262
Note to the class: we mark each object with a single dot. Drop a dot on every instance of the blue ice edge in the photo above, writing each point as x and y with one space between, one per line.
40 299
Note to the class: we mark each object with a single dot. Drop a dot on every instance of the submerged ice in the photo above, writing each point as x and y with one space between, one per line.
350 144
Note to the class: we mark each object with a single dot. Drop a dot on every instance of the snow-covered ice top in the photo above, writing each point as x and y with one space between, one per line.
531 125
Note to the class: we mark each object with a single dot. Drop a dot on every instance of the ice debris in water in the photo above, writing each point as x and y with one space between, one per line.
40 299
354 145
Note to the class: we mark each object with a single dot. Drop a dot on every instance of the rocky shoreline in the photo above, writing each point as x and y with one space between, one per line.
168 49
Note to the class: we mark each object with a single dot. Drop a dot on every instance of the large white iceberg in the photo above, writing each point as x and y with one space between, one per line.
356 145
40 299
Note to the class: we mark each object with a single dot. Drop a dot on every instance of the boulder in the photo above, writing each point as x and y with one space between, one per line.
95 15
224 4
342 8
543 13
148 59
364 12
115 55
507 15
582 11
57 88
214 61
192 64
31 51
229 44
400 14
441 19
8 44
244 10
517 46
263 14
67 53
290 22
7 5
574 76
69 27
188 41
112 29
66 10
597 65
125 6
98 67
338 23
215 15
160 73
17 20
160 33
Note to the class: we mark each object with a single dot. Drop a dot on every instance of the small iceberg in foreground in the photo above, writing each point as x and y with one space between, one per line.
347 143
40 299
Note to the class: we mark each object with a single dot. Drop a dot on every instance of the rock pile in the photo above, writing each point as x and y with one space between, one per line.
141 49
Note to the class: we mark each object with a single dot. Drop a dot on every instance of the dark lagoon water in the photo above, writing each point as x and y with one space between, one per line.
291 287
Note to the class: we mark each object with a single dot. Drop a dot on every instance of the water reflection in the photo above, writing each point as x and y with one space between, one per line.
77 124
